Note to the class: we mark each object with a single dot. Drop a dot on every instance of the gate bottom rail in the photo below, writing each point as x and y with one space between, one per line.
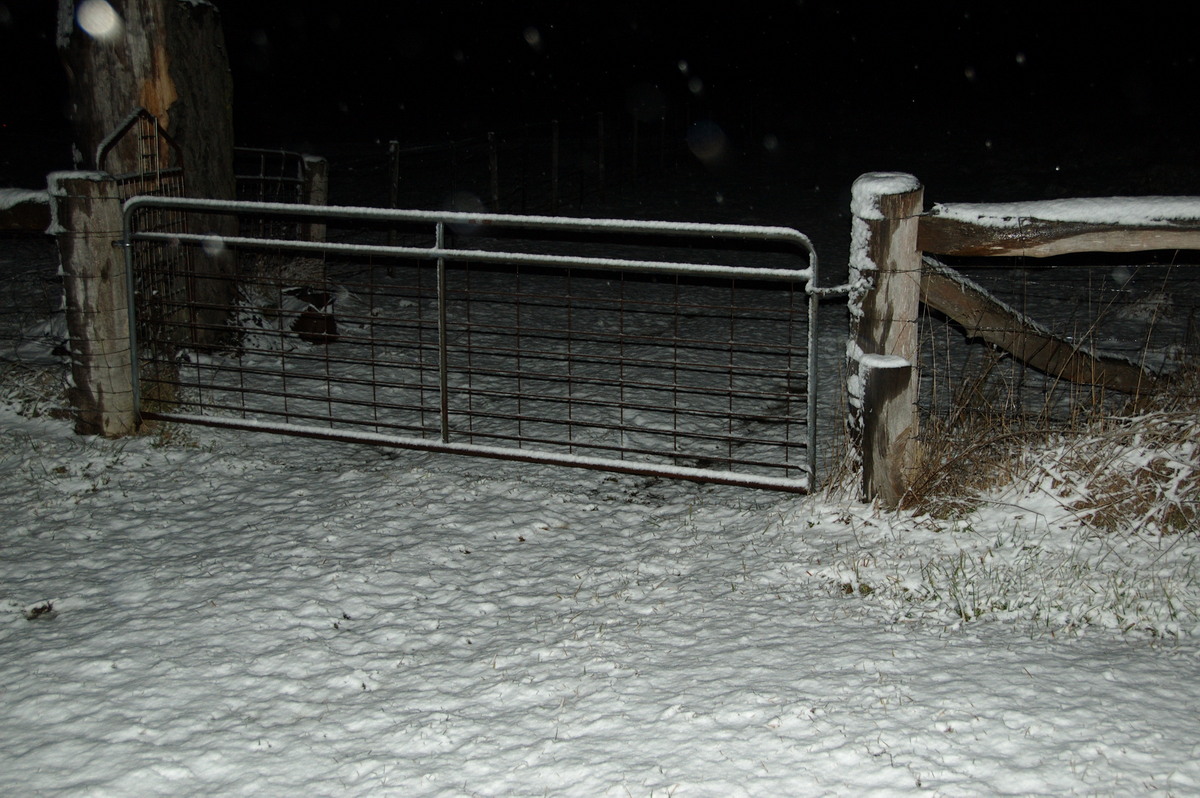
707 475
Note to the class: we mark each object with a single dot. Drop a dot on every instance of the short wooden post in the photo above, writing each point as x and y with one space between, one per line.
885 277
494 170
393 184
634 154
554 166
87 223
316 192
600 153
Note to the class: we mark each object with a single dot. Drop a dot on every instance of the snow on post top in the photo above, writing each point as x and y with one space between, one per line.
868 188
1129 211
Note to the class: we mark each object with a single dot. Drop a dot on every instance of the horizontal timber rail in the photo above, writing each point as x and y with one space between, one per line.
652 348
1047 228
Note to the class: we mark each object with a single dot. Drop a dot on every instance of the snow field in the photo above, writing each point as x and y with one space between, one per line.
199 612
261 615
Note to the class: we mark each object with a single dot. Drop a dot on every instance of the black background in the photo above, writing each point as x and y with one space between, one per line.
1049 79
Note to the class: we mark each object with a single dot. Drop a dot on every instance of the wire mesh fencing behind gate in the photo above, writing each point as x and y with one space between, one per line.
1144 309
678 350
549 167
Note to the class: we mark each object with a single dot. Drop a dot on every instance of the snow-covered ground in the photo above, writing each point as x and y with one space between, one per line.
202 612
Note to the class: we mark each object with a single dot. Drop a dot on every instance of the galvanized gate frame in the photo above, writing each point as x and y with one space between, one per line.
442 252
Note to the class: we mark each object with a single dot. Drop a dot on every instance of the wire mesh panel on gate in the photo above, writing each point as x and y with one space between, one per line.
150 163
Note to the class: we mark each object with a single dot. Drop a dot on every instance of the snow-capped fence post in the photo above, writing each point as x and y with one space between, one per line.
316 192
87 223
885 278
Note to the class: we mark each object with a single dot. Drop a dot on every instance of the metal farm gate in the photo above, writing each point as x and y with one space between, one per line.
672 349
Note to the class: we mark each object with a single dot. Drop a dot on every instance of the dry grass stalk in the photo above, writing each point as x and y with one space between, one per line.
1136 471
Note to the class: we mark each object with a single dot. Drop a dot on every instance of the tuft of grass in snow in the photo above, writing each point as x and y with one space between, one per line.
1049 576
1090 524
1138 474
35 391
1139 470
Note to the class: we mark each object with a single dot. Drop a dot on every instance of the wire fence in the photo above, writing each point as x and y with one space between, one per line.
1143 310
546 168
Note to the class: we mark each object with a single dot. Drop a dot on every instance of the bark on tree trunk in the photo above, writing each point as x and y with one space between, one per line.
167 56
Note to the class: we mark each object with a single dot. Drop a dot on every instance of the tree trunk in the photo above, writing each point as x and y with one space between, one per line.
168 57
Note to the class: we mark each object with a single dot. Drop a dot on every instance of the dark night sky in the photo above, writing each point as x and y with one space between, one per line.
830 73
380 70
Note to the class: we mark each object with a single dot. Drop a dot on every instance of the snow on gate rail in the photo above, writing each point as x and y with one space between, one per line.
682 350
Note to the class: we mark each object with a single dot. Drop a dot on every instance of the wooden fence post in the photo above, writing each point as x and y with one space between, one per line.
554 166
87 223
885 278
393 184
316 192
600 152
494 170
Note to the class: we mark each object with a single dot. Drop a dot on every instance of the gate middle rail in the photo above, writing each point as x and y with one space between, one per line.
671 349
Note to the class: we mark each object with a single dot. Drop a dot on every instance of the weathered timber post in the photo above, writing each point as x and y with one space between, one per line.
494 171
554 166
393 184
885 276
87 223
316 192
600 153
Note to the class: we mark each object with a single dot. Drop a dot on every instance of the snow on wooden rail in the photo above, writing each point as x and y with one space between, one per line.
1060 227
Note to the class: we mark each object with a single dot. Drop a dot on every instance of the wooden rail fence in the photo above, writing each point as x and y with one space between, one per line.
891 275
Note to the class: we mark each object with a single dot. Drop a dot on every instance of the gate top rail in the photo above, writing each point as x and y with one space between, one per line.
484 221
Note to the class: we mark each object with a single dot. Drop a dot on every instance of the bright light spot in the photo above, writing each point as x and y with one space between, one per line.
213 246
464 202
683 66
98 19
771 142
970 73
695 85
533 37
1021 59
